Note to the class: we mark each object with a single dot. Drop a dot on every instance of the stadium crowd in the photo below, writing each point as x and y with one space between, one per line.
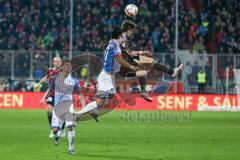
208 26
44 24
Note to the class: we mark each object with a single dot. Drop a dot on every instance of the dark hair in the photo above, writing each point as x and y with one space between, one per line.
67 61
116 33
127 25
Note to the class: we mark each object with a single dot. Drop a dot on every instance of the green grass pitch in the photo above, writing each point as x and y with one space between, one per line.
208 136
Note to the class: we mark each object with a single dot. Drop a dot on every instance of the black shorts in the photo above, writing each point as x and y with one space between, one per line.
127 72
50 100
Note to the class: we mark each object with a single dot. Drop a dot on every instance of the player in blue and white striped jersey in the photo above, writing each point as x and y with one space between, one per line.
64 85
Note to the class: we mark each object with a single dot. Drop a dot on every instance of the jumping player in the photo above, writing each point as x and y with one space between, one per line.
64 85
50 101
113 60
132 57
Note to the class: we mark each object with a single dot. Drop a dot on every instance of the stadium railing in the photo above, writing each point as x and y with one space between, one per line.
32 65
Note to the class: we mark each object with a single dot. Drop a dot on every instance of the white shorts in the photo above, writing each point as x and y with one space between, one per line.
58 120
106 82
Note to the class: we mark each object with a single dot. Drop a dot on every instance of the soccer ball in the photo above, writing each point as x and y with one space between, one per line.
131 10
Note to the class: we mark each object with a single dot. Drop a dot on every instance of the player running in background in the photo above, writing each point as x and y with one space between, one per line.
57 62
113 60
64 85
132 57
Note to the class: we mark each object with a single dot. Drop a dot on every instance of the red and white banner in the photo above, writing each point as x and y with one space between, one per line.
194 102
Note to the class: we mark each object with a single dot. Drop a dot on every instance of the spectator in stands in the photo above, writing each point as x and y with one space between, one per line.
39 73
37 87
186 74
2 86
195 69
21 86
201 79
43 24
198 46
208 69
8 85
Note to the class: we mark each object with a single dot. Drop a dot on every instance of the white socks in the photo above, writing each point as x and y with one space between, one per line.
71 137
91 106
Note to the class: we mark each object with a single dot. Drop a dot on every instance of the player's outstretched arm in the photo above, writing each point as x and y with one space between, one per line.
138 53
126 64
48 92
44 79
45 97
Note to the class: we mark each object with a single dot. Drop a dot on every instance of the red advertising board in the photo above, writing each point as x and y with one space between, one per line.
20 100
30 100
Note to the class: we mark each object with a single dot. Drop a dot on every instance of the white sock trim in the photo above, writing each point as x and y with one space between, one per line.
91 106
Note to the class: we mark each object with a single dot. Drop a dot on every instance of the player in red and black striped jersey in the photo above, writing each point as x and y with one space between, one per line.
52 72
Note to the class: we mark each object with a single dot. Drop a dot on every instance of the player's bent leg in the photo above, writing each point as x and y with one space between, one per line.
106 90
142 80
56 134
126 72
177 70
100 103
101 100
89 107
95 114
160 67
144 93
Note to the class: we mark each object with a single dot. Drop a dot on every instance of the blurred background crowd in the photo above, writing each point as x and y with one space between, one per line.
40 26
204 25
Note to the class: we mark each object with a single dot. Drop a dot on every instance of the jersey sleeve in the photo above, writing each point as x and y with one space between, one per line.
117 51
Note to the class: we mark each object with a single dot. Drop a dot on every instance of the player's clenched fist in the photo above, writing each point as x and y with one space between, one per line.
42 101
